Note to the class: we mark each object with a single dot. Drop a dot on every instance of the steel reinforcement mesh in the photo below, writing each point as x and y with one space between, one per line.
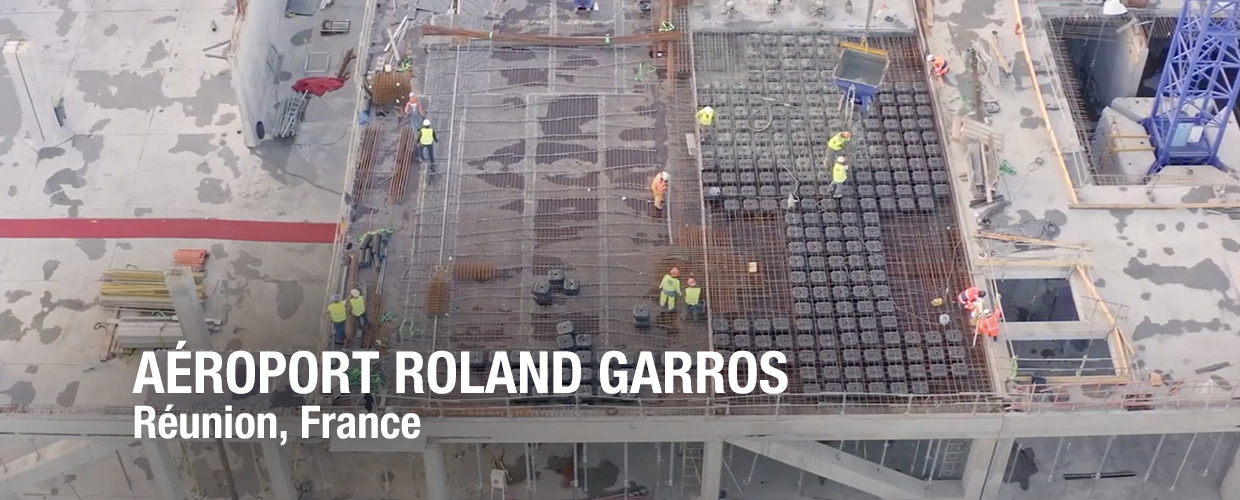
542 180
844 286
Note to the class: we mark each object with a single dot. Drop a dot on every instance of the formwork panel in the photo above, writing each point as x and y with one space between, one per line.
852 306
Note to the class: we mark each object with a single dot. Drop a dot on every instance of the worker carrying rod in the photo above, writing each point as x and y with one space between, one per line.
669 289
839 141
972 300
658 188
938 65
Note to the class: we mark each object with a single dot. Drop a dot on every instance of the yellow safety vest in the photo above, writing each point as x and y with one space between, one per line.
693 295
839 173
358 305
426 136
337 312
670 285
837 142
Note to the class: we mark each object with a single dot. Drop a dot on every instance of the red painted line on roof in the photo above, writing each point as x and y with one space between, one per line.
210 229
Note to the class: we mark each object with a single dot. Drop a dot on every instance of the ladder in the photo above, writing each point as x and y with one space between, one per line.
953 457
691 469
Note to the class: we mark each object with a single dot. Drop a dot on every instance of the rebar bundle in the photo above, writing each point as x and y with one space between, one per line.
553 41
404 157
137 289
365 161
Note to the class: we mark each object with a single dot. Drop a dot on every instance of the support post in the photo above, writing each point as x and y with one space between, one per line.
280 469
40 123
712 469
165 470
436 473
986 469
1230 487
188 306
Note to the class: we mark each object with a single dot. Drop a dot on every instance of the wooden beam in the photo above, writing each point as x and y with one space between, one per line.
1012 238
1151 206
1060 264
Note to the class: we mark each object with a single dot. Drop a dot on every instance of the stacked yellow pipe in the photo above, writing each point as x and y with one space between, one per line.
138 289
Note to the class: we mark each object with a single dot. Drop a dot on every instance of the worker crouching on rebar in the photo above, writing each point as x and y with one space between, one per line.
339 315
972 299
658 189
693 300
938 65
669 289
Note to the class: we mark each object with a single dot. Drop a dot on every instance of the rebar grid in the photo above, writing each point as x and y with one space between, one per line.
1060 31
851 303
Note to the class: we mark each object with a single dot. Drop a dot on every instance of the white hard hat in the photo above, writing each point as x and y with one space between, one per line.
663 175
930 58
426 123
840 159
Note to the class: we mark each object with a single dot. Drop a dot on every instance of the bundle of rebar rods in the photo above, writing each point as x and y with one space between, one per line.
555 41
137 289
365 161
404 157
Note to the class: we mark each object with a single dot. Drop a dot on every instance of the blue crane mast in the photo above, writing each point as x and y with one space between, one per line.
1198 88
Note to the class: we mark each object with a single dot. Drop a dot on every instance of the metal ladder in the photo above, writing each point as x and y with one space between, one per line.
953 457
691 468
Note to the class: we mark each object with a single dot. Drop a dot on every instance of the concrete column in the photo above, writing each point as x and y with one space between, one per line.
165 470
987 466
280 469
188 305
39 122
712 469
436 472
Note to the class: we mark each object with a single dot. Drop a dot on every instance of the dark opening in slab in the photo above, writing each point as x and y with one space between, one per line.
1063 358
861 67
1034 300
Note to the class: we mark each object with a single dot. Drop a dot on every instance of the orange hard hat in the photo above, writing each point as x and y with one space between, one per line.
674 272
692 282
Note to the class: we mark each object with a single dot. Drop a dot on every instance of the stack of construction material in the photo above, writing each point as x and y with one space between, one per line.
137 289
193 258
148 332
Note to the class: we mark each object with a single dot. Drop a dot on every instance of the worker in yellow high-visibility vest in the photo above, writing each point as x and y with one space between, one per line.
838 141
426 141
669 289
693 300
340 316
706 116
357 306
839 175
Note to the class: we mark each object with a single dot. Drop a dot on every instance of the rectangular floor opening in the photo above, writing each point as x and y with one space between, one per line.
1037 300
1063 358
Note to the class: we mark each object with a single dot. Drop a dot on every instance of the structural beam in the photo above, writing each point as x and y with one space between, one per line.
1230 487
844 468
436 473
51 460
987 468
280 469
188 305
712 469
165 470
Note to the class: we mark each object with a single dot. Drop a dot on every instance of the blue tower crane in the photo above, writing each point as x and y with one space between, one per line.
1198 87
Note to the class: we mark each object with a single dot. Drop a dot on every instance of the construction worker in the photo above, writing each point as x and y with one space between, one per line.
357 306
413 109
340 316
658 188
989 324
839 175
426 141
971 300
839 141
706 116
938 65
693 300
669 289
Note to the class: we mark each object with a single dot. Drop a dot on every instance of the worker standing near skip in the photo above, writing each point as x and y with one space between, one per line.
839 175
658 188
340 316
971 299
839 141
357 306
693 300
669 289
426 142
938 65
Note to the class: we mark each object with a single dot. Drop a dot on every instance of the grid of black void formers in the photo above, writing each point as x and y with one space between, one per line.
855 328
